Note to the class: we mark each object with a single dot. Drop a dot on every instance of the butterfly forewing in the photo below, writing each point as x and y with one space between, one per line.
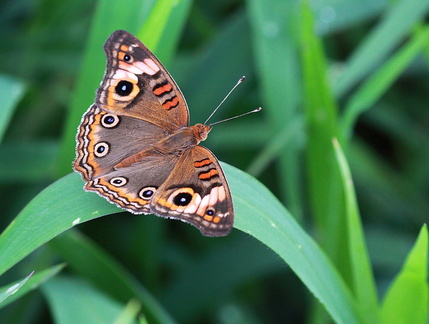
137 84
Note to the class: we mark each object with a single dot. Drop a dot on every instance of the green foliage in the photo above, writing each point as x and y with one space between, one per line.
340 151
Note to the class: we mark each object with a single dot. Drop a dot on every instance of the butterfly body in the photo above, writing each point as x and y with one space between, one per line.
136 149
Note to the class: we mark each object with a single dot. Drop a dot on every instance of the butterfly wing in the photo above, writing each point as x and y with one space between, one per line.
196 192
137 107
138 104
136 84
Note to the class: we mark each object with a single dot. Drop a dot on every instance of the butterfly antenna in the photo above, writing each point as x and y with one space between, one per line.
248 113
226 97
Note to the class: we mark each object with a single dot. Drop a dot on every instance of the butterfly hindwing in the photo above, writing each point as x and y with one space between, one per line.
197 192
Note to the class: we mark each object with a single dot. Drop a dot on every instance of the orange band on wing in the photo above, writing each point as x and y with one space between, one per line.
171 103
162 89
200 164
208 175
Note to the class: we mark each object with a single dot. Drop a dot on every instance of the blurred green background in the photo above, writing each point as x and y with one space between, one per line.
371 92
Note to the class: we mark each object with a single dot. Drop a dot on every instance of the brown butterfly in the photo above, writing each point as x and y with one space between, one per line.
136 149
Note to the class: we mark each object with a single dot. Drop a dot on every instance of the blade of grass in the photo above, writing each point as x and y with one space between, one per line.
59 207
9 290
72 300
29 283
129 314
11 91
169 17
407 298
398 22
321 126
261 215
64 204
363 284
275 39
380 81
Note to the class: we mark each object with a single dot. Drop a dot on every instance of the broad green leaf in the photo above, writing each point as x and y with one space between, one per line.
32 281
407 298
11 91
73 300
59 207
64 204
397 23
363 284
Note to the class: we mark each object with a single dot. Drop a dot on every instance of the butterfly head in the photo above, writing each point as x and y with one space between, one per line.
201 131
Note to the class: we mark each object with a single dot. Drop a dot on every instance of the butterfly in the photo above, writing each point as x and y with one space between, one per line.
136 149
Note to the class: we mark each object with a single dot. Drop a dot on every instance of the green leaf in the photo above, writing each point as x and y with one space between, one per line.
29 283
6 292
275 41
65 204
363 283
59 207
170 17
407 298
129 313
11 91
321 127
261 215
398 22
72 300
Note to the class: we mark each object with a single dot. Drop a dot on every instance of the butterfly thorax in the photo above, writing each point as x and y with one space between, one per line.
200 131
182 139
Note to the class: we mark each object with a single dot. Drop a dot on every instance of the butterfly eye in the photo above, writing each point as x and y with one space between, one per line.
147 192
182 199
110 121
101 149
124 88
118 181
